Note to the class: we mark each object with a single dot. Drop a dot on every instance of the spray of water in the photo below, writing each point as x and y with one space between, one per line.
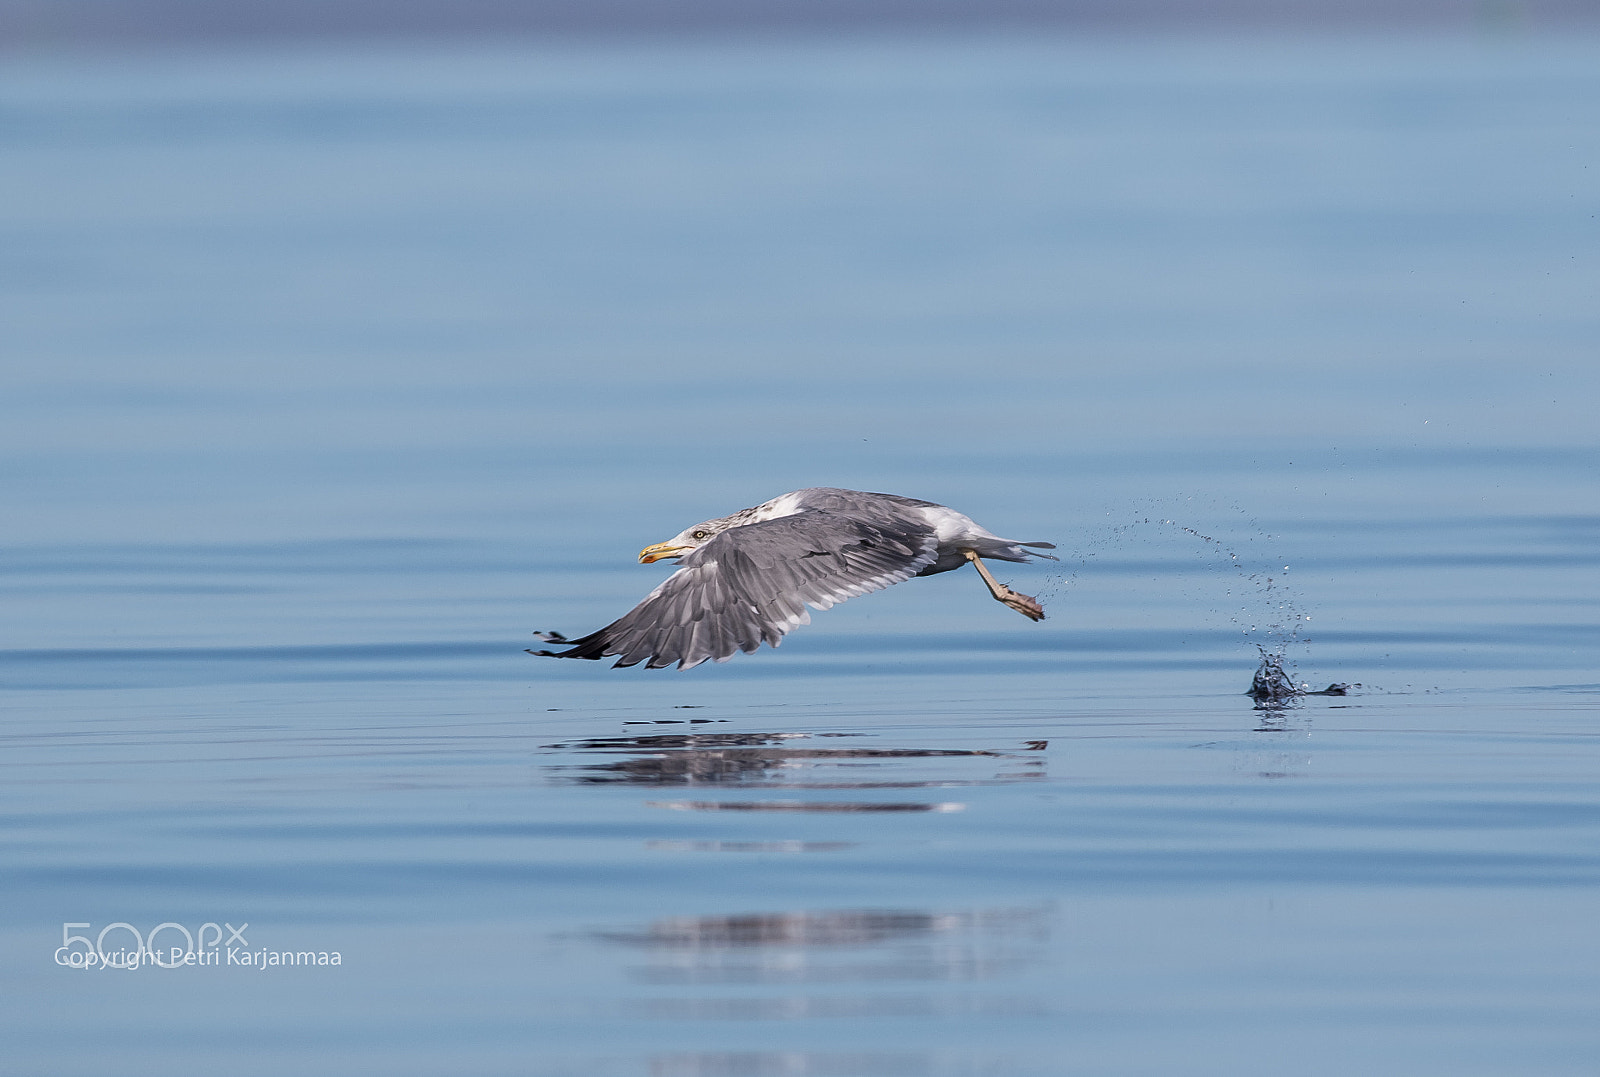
1270 618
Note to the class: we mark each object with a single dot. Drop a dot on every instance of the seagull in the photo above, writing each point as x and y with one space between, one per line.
749 577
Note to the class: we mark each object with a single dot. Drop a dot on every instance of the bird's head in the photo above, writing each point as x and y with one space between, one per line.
686 541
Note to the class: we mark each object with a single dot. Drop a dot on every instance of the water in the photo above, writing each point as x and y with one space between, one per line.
330 377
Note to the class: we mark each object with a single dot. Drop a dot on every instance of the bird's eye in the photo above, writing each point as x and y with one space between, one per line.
699 535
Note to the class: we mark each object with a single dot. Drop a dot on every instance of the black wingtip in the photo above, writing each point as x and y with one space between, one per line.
592 655
590 646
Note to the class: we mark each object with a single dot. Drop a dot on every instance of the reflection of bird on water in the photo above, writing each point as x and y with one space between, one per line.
935 946
748 577
847 927
772 760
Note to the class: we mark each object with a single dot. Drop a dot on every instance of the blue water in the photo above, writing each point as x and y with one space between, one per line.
331 376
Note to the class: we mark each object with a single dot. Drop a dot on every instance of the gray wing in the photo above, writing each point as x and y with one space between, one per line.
753 583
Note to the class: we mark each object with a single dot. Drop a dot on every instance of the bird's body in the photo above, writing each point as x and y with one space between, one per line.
749 577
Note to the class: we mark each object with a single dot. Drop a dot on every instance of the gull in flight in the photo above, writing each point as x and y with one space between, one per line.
749 577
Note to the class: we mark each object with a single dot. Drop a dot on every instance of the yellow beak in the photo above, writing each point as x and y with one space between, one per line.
661 549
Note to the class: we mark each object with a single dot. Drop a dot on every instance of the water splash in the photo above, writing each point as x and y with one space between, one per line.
1272 685
1273 689
1270 616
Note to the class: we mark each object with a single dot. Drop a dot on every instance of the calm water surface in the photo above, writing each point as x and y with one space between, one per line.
329 377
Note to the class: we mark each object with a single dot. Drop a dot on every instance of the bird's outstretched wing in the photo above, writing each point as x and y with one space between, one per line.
753 583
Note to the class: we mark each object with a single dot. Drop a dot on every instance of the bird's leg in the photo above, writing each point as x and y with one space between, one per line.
1026 605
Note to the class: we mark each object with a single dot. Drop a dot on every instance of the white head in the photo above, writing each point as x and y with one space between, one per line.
688 540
